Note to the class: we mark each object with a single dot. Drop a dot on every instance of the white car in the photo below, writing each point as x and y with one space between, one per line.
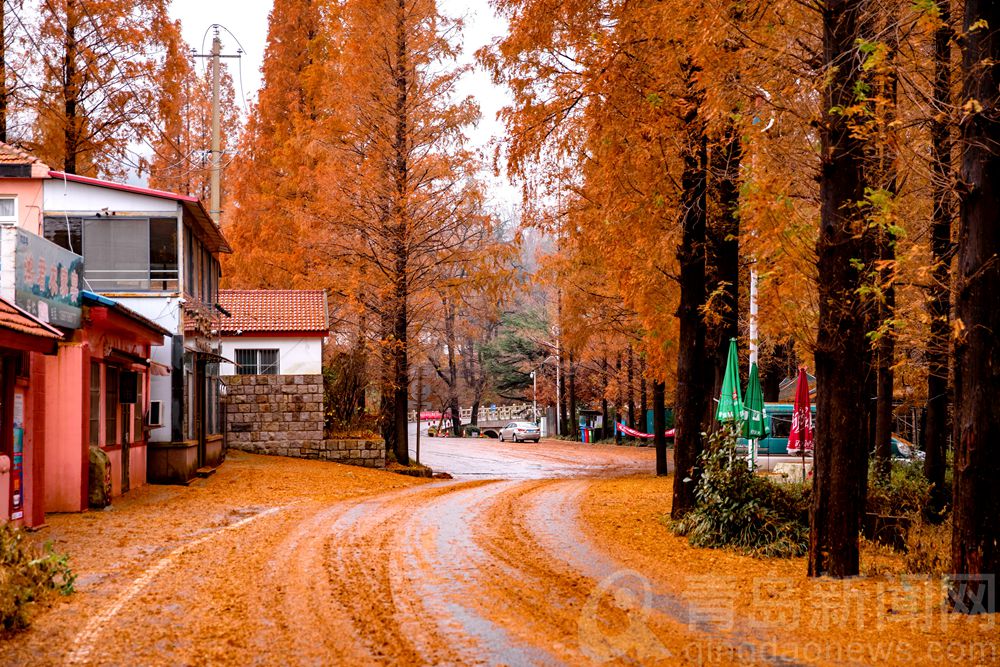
520 431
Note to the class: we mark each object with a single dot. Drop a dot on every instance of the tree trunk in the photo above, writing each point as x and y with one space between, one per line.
660 427
71 134
401 379
775 367
643 402
400 429
724 251
692 365
452 378
884 410
574 423
885 178
886 357
631 386
605 415
841 451
563 423
939 300
619 398
975 544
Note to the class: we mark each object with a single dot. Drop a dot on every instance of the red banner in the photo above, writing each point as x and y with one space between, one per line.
632 433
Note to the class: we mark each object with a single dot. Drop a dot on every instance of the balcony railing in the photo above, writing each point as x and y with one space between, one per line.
132 280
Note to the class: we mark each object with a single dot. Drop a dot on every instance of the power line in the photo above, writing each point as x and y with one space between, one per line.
243 93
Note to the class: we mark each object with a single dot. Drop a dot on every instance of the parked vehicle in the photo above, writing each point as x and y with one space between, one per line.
520 432
778 426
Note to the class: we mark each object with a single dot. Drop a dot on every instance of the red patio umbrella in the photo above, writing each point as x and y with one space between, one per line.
801 437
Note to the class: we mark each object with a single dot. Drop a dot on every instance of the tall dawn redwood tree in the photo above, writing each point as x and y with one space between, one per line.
404 209
841 453
274 175
975 550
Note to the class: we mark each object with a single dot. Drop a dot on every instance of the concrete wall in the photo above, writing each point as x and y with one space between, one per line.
296 355
283 415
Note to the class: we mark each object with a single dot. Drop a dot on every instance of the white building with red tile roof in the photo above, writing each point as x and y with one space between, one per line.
273 332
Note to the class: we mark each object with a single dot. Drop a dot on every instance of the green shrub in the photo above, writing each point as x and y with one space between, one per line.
737 508
907 492
27 574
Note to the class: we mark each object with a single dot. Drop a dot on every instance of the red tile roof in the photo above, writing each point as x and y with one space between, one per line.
14 155
21 321
275 311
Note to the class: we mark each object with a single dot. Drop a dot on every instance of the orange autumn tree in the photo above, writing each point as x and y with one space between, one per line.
408 207
15 89
98 83
273 177
594 86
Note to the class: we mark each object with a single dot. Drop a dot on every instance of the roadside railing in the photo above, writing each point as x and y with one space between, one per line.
514 412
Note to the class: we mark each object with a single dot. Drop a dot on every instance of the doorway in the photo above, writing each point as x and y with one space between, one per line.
126 451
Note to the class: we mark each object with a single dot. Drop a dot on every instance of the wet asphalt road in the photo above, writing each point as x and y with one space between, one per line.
488 458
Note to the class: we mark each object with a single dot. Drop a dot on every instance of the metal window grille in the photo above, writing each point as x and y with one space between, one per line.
257 362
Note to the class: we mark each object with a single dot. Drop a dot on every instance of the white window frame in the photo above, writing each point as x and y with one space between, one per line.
257 364
10 220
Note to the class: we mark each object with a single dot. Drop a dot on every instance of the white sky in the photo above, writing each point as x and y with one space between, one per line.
247 20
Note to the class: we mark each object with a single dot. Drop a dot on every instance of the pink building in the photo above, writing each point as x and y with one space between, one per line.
102 377
75 367
24 341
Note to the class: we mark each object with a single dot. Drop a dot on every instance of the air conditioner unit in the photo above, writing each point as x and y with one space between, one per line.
155 414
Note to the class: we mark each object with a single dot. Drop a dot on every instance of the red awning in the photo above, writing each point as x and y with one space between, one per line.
20 330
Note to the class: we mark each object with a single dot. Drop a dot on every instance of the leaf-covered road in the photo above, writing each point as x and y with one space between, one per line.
278 561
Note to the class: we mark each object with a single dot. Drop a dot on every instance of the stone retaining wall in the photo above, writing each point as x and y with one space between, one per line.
283 415
367 453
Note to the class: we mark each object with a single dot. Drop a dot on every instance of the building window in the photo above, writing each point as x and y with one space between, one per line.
110 405
8 209
133 254
137 411
163 254
256 362
65 231
95 403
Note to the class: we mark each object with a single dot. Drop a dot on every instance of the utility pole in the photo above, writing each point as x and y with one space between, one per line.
216 201
215 204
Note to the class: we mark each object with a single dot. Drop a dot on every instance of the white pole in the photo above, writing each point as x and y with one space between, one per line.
558 395
534 397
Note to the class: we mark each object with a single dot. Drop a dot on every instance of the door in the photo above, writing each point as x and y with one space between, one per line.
199 408
126 449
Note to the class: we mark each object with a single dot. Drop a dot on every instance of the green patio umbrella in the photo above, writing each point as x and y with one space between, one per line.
730 401
753 414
